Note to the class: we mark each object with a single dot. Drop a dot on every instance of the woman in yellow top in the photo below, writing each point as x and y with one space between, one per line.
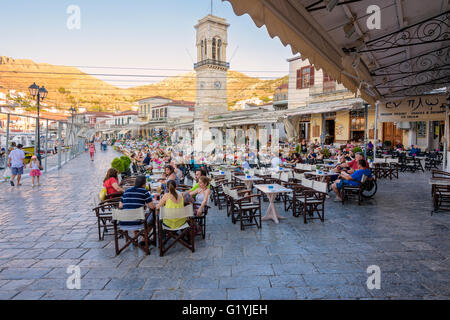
172 199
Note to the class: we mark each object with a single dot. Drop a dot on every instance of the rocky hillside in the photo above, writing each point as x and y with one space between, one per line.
69 86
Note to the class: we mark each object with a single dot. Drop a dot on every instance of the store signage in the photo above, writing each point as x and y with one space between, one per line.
421 108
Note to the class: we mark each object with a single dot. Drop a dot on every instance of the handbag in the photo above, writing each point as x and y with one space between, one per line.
103 194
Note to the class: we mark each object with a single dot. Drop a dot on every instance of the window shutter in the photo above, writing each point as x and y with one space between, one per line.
316 131
311 76
299 79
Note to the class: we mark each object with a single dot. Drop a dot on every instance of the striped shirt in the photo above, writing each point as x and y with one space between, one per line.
135 198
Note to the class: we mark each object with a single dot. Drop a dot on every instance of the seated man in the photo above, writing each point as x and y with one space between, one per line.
351 180
137 197
352 166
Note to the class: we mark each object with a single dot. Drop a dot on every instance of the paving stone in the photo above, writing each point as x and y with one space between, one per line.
125 284
30 295
200 283
65 295
243 294
292 260
244 282
102 295
278 293
205 294
16 285
167 295
135 295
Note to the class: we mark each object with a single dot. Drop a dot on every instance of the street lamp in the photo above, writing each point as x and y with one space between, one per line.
40 93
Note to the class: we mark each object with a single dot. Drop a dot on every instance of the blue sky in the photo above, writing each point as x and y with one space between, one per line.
132 33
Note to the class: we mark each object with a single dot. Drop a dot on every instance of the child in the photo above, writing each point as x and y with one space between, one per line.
92 150
35 172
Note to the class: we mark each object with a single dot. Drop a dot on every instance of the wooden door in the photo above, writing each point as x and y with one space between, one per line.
392 133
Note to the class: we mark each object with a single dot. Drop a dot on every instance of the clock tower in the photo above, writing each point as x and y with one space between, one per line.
211 69
211 66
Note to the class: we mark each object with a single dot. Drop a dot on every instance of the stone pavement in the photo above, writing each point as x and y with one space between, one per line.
46 229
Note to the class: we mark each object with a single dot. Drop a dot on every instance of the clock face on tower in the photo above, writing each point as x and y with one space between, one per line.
217 85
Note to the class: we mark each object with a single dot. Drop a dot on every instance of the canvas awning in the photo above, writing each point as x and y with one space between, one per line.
407 56
324 107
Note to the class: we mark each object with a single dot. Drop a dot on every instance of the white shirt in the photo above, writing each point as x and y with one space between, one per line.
276 162
16 157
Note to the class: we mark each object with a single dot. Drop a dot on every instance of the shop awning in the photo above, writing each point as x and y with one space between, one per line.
324 107
407 56
124 131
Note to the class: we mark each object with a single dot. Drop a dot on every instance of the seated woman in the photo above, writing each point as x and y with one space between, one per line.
172 199
199 197
111 183
311 158
320 156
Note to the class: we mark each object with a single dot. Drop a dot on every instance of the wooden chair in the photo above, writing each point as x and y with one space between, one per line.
148 232
103 212
441 198
245 209
311 200
348 190
201 221
185 234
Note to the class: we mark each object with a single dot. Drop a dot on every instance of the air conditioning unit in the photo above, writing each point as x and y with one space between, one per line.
405 125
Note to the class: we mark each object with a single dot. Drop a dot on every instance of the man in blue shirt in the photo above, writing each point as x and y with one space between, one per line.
137 197
351 180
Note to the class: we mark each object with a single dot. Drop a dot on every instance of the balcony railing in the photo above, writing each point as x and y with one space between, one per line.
212 62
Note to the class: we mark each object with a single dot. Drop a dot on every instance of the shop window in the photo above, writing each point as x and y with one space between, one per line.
357 119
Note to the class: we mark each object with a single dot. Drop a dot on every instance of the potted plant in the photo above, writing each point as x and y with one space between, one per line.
357 149
326 153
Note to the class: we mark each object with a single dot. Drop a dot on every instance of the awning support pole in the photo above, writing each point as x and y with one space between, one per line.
7 137
322 137
375 137
366 111
444 164
59 144
46 146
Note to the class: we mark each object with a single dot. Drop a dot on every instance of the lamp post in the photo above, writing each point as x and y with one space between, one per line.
40 93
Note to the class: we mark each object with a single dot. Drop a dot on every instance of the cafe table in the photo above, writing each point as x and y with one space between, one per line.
272 190
216 174
248 180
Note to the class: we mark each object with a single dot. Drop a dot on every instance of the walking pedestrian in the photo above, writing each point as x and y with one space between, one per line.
92 150
35 171
16 160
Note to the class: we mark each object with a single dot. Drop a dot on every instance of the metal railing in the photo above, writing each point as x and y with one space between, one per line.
60 142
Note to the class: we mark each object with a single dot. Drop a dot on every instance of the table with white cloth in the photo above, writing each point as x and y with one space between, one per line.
248 180
272 190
